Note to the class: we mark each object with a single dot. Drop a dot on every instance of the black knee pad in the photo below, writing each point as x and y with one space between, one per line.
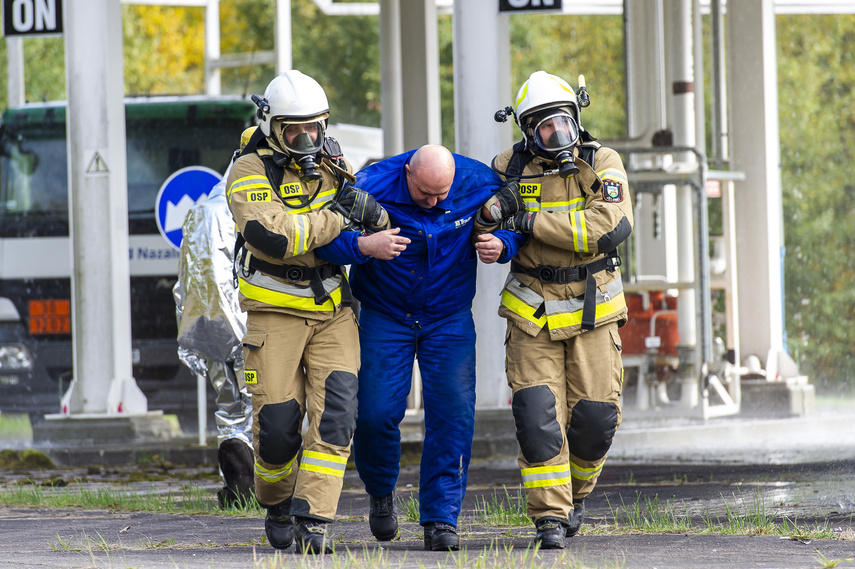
538 431
279 436
339 418
592 428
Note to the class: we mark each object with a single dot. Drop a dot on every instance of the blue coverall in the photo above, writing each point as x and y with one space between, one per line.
418 304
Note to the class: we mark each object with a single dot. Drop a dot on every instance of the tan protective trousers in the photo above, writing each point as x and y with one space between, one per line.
566 410
296 367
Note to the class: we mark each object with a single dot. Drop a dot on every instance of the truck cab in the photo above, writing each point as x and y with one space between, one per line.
164 135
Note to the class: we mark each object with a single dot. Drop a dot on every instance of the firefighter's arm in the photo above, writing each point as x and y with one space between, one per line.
603 223
264 221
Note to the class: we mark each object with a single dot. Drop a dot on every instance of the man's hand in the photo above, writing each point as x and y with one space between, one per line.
504 203
361 207
384 245
489 248
522 222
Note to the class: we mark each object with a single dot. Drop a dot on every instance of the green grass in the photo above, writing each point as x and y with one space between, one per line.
188 499
493 557
15 427
507 510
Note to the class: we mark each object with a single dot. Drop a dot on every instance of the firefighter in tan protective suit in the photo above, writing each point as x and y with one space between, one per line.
564 209
301 348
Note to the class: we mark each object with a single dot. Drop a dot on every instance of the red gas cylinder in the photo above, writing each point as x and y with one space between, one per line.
661 308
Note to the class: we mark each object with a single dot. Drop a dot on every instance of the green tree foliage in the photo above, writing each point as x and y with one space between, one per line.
164 53
816 77
568 46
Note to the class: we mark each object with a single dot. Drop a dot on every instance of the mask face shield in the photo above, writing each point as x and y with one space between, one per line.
556 133
300 139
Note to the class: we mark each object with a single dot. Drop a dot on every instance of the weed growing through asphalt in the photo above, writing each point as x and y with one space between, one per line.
649 515
493 557
409 507
507 510
826 563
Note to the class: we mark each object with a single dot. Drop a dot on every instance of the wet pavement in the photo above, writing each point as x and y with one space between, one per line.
677 493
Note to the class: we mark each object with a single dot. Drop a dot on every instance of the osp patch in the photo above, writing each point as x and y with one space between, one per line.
612 191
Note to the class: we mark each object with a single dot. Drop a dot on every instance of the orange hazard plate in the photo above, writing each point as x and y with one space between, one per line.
50 317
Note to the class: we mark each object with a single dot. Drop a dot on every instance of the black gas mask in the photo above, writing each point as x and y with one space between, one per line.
307 139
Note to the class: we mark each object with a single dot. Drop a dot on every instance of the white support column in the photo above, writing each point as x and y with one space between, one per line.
282 39
420 73
98 208
681 117
213 85
481 87
654 242
755 150
15 71
392 117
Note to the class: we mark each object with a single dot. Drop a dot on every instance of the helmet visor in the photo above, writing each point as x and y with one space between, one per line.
301 138
556 132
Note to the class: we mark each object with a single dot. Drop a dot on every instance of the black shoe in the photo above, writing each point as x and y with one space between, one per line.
311 536
383 517
278 526
550 533
237 464
440 536
576 518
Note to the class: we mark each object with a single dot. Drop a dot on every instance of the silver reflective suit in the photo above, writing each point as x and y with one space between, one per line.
210 321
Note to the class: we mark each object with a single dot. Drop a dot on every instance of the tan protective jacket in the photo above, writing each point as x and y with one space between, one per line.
580 219
281 230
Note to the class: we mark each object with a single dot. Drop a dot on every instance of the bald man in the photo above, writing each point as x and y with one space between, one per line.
418 304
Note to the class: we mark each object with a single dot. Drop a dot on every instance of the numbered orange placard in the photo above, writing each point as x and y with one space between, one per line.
50 316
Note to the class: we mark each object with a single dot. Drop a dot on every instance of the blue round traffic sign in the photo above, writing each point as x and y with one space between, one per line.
181 191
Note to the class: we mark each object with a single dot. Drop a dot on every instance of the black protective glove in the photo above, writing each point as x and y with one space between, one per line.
507 202
521 222
362 208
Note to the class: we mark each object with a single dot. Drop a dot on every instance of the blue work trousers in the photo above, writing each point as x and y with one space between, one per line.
446 357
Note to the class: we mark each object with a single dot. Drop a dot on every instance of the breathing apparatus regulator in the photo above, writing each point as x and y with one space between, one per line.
294 113
547 113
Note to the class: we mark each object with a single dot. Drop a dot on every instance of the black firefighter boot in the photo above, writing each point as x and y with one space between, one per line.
550 533
311 536
383 517
576 518
237 465
278 526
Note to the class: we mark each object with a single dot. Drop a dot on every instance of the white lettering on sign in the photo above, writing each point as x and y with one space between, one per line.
532 3
39 15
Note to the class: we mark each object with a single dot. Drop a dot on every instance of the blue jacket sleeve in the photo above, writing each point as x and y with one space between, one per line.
512 241
343 250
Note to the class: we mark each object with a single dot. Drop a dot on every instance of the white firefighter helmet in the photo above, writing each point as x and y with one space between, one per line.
547 99
294 98
544 91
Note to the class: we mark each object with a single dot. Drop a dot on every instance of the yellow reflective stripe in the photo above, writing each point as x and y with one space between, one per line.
612 174
531 204
577 224
277 298
519 307
249 183
323 463
572 205
582 473
604 309
322 200
541 476
300 235
274 474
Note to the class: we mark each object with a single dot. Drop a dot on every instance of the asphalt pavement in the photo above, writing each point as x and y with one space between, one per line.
692 489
